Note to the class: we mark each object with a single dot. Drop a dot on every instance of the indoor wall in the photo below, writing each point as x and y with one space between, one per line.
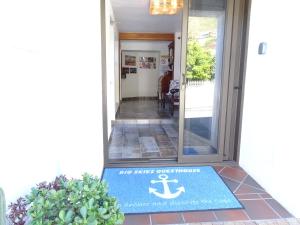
145 82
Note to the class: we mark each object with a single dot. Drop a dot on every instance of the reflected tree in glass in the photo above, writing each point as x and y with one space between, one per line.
200 62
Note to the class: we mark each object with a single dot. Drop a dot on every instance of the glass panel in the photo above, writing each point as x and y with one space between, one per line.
203 72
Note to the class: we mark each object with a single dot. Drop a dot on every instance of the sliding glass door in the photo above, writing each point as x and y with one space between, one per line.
204 82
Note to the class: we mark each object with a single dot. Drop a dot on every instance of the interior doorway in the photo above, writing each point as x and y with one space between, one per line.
146 127
177 96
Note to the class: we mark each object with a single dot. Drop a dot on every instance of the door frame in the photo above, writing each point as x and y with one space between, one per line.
231 150
235 21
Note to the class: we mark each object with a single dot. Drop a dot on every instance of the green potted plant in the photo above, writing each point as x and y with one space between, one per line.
72 202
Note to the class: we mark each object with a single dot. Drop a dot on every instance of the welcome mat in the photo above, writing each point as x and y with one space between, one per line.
169 189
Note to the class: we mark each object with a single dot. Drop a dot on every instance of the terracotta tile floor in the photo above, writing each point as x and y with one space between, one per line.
259 206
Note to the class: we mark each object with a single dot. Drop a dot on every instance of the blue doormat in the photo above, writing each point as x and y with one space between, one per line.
169 189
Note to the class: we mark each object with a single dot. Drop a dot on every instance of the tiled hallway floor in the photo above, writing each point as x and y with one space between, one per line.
258 205
142 109
132 140
151 139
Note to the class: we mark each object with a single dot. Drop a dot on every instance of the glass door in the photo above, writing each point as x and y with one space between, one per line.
206 35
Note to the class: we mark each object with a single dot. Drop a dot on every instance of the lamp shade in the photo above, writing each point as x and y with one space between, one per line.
169 7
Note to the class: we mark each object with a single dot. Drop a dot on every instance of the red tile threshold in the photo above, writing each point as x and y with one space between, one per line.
143 219
231 215
198 217
235 173
166 218
259 210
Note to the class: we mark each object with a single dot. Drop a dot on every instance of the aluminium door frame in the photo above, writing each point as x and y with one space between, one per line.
231 151
224 99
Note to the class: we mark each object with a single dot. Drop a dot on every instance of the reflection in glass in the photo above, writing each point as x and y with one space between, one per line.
203 72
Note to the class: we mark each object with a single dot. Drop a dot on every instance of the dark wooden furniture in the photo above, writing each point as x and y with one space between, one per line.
164 85
171 57
165 82
173 100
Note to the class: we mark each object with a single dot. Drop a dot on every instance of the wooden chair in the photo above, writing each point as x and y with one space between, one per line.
165 82
173 96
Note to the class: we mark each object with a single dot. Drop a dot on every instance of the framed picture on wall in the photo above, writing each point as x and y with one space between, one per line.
164 60
130 60
124 72
132 70
147 63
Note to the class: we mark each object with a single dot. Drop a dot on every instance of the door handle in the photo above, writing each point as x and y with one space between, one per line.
183 79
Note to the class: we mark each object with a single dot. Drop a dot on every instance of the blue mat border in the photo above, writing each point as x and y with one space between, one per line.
199 210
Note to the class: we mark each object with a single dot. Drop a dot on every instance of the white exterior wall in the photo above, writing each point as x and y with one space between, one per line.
50 91
270 149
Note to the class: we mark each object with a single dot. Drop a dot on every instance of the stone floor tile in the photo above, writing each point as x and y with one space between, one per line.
259 210
166 218
114 150
219 168
278 208
196 217
115 155
235 173
250 181
265 195
231 184
248 196
231 215
137 220
246 189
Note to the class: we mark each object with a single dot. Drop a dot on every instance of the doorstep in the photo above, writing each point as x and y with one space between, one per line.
290 221
258 206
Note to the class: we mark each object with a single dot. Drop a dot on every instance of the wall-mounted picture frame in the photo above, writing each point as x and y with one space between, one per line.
133 70
130 60
164 60
124 72
147 63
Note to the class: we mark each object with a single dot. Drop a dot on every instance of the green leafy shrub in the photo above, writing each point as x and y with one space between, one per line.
72 202
200 62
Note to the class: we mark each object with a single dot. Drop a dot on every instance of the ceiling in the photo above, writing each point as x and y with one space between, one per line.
134 16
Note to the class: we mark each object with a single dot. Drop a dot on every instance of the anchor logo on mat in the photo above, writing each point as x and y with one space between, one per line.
167 194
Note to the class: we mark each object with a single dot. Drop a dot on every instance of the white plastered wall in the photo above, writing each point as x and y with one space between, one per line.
145 83
271 114
50 91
